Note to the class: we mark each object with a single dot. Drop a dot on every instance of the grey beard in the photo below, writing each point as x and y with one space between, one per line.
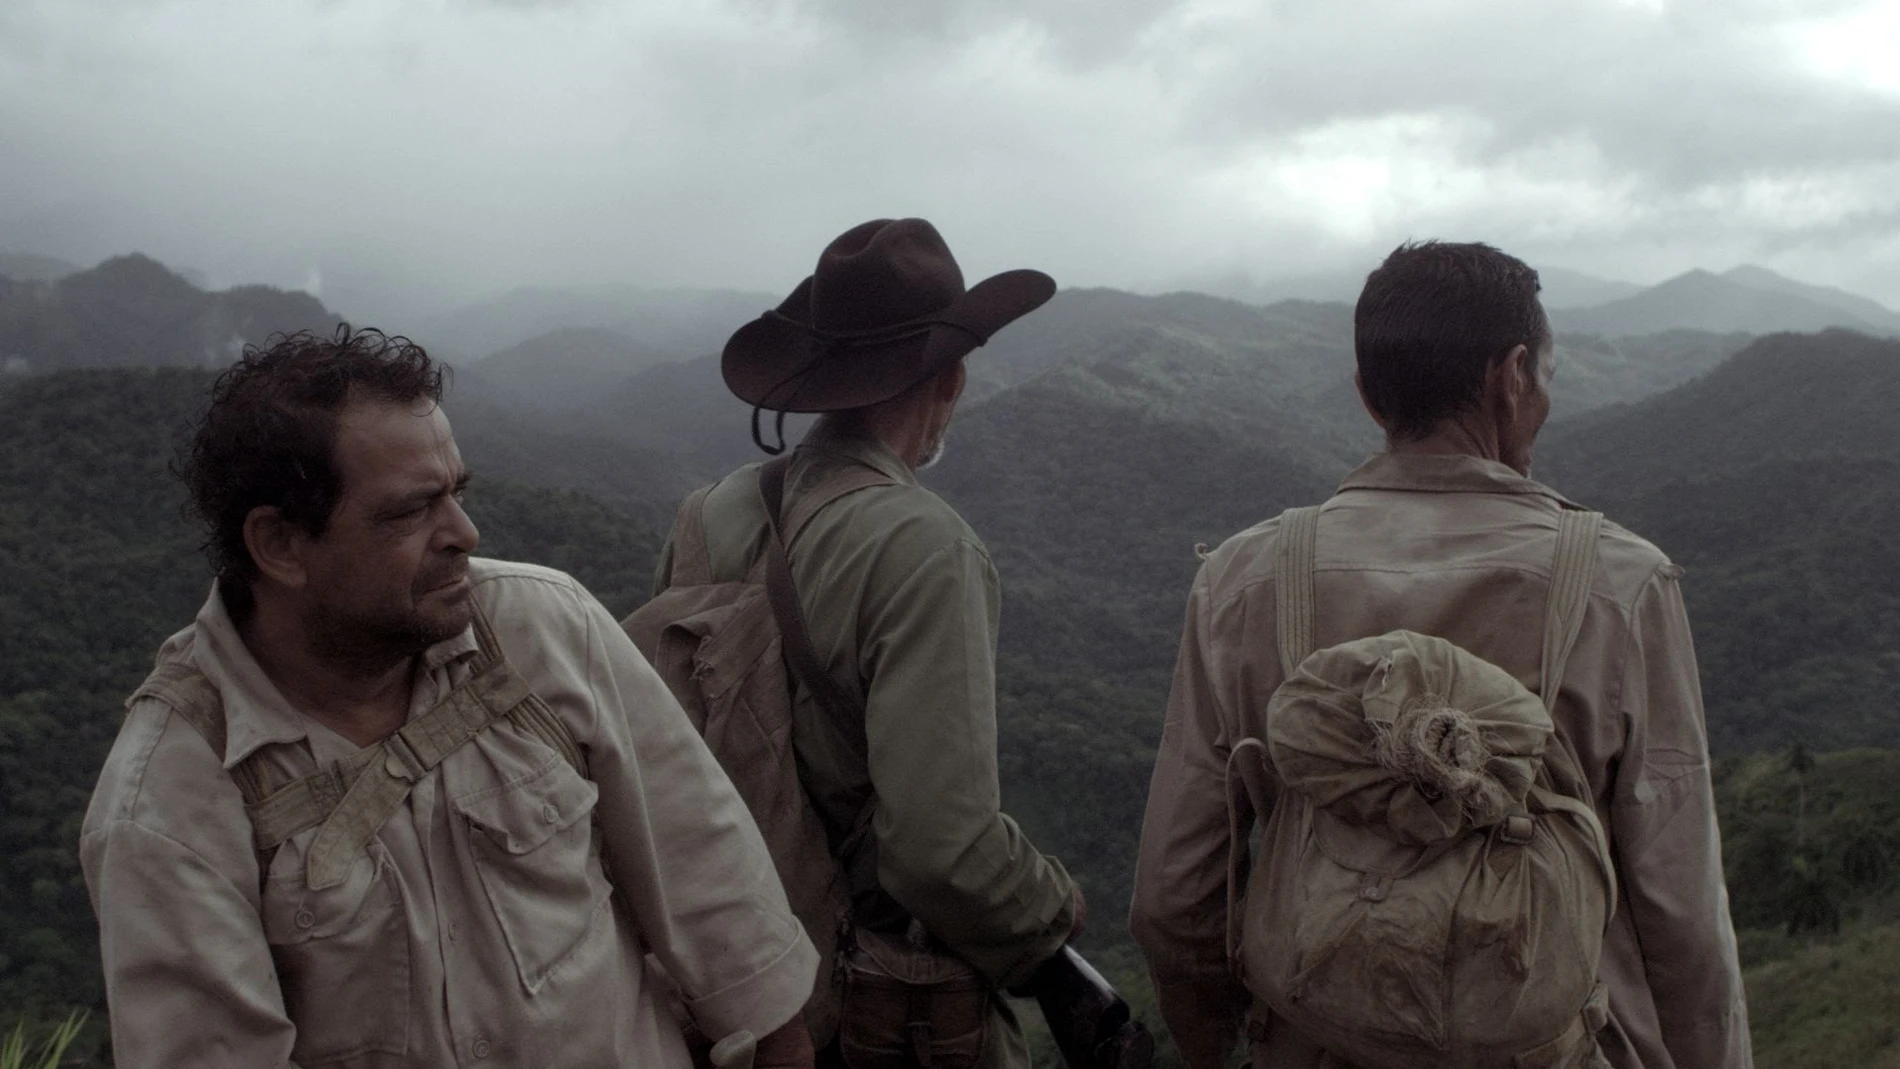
931 455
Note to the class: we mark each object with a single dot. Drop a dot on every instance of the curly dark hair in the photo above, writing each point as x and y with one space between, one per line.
1431 319
268 436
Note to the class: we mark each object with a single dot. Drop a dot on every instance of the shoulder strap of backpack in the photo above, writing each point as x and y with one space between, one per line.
186 692
692 560
843 705
280 810
350 801
532 714
1293 585
1571 573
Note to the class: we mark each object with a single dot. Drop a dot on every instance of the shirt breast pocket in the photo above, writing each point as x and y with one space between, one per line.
342 956
532 841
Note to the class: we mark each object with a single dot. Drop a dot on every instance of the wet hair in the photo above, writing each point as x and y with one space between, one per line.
1431 320
268 436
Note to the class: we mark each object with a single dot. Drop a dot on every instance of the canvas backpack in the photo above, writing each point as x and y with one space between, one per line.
724 649
349 800
1431 885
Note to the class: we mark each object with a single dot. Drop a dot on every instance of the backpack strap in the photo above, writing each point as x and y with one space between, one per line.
1248 793
692 560
845 707
532 713
811 498
1572 570
1571 573
350 800
1247 763
1293 585
185 690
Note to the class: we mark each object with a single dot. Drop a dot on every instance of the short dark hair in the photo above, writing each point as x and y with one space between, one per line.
1431 319
268 436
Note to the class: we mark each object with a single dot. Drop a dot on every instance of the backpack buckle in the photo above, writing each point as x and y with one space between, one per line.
1516 829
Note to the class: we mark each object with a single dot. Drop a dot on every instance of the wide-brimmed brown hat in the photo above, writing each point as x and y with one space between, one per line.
885 310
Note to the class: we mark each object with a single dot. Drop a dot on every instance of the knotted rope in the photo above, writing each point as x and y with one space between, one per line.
1443 750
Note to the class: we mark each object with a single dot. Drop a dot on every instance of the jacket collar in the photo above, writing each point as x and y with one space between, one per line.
1445 474
256 713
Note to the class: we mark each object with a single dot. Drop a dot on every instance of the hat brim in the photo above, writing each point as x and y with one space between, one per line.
776 362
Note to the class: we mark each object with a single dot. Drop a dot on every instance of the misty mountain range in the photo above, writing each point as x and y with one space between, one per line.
53 315
1106 435
1102 439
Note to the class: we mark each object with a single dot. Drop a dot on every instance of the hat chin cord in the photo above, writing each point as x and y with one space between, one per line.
797 380
833 342
778 429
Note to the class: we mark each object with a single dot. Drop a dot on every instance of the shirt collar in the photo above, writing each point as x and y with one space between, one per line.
826 437
256 713
1444 474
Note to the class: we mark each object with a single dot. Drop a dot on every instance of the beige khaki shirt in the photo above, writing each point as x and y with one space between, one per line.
479 927
1462 548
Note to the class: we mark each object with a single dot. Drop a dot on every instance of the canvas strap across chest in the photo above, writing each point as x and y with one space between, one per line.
351 799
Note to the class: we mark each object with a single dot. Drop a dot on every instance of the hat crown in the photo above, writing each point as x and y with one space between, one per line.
883 273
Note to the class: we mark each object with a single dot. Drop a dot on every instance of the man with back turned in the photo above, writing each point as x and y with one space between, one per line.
893 705
1445 534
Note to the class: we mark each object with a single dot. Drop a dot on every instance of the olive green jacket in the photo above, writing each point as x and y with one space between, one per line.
901 601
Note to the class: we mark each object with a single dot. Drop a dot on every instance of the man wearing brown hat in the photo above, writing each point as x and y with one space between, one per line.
949 903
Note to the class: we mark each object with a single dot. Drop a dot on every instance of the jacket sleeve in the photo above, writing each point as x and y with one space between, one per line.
188 972
683 851
1179 913
945 850
1668 850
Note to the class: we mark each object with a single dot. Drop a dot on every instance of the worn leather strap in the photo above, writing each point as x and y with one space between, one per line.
845 707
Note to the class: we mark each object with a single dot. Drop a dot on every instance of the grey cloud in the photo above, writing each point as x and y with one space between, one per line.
1682 98
1080 33
423 155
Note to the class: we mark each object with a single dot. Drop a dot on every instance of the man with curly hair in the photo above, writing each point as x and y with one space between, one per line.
386 804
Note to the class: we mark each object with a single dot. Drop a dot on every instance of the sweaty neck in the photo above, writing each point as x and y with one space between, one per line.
1469 437
908 430
364 700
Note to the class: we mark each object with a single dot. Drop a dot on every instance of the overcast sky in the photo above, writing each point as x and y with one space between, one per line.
404 155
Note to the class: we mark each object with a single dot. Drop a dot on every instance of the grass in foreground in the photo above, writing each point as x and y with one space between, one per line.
15 1052
1830 1002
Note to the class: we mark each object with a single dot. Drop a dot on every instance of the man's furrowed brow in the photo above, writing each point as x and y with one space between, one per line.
422 495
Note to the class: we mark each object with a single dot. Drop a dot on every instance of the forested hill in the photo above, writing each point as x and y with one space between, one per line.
1091 460
1775 480
134 310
